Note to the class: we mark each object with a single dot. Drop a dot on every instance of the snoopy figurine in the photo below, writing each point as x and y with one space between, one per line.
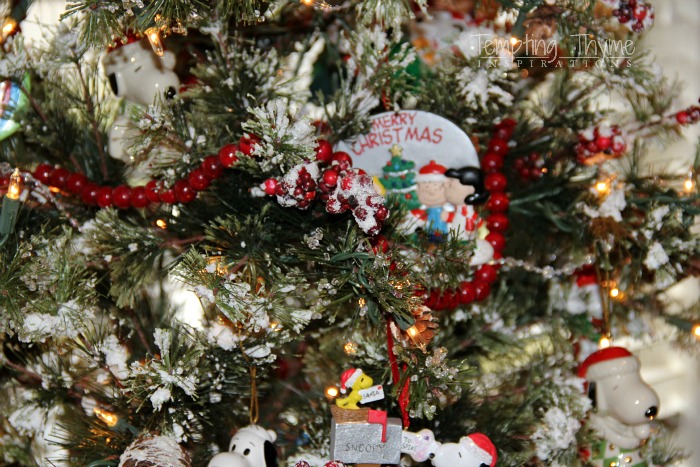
474 450
251 446
140 76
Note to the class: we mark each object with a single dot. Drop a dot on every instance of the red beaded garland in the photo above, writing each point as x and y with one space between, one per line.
183 191
197 180
495 182
139 198
76 182
498 202
482 290
212 167
497 222
152 189
227 155
121 197
89 193
247 144
59 177
104 197
43 173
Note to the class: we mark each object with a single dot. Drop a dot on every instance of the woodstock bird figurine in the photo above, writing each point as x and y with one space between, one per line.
356 380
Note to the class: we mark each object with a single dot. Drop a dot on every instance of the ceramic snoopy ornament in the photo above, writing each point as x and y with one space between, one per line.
474 450
251 446
140 76
624 404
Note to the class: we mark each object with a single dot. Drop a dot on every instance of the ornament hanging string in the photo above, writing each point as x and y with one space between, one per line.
254 411
404 397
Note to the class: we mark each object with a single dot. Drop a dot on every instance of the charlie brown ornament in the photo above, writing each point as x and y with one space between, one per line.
624 405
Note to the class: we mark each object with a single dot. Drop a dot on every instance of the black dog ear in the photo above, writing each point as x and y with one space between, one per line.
592 394
270 454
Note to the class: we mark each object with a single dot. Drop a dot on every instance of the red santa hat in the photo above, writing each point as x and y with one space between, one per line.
119 42
348 378
480 446
608 362
432 172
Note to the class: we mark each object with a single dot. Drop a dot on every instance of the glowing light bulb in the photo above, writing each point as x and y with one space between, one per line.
614 292
696 331
154 38
275 326
413 332
604 342
514 40
8 27
350 348
689 183
361 302
108 417
15 188
331 392
162 224
601 187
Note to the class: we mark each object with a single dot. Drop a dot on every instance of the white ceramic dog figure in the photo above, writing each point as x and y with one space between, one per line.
624 403
251 446
138 75
475 450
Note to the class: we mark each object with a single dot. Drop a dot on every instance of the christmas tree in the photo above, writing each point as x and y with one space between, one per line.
228 149
399 179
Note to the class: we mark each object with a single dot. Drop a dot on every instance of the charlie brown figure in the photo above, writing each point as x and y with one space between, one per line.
430 187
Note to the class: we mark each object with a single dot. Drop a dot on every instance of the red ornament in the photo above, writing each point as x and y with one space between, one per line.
467 292
247 144
104 197
153 187
227 155
495 182
482 290
498 202
43 173
498 146
497 222
183 192
486 273
121 197
59 177
270 186
167 196
76 182
197 180
212 168
139 198
324 151
89 193
497 240
492 162
330 177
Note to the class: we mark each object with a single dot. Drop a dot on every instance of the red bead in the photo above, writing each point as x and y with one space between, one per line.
167 196
227 155
153 187
467 292
497 222
121 197
492 162
486 273
198 181
495 182
212 168
482 290
603 142
681 117
499 146
59 177
504 132
381 213
330 177
89 193
342 158
247 144
270 186
450 299
43 173
507 122
433 300
497 240
139 197
104 197
76 182
324 151
183 191
498 202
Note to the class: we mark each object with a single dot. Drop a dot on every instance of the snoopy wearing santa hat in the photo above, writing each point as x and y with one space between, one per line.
474 450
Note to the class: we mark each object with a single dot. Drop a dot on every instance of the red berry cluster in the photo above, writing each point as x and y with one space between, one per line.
339 186
600 144
497 222
635 15
125 197
530 167
688 116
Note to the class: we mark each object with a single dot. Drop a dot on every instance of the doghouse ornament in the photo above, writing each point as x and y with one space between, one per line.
624 406
140 76
251 446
